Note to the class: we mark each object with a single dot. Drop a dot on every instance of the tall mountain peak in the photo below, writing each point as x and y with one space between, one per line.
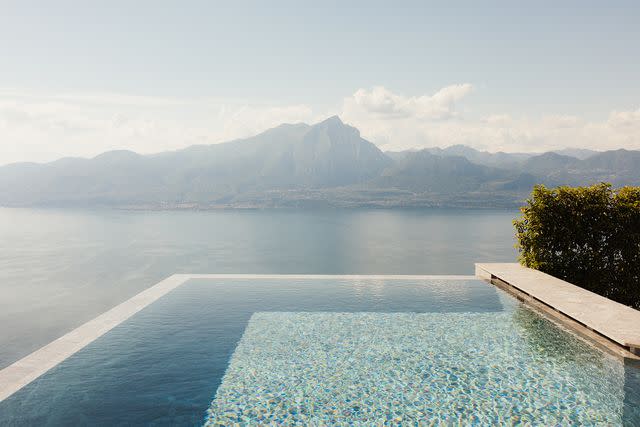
336 126
332 120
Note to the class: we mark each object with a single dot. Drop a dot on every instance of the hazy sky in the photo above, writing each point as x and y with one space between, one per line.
78 78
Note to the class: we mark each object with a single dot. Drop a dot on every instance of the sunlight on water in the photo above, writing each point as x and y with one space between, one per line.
394 369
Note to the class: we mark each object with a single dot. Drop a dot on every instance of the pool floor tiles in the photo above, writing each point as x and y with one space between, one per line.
319 368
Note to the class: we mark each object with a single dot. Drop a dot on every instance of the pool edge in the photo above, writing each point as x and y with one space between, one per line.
27 369
548 307
24 371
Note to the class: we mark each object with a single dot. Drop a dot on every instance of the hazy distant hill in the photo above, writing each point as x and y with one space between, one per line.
499 159
547 164
578 153
328 163
426 172
620 167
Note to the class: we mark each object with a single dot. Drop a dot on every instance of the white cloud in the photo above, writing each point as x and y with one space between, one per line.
48 126
561 121
248 120
385 104
396 122
43 127
624 119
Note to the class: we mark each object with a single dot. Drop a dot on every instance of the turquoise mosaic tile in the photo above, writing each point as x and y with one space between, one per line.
361 369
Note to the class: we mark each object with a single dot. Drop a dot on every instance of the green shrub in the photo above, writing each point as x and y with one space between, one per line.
589 236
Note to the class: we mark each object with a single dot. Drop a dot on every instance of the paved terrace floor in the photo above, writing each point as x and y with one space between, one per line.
615 321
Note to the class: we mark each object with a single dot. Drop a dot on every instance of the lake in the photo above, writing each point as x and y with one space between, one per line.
60 268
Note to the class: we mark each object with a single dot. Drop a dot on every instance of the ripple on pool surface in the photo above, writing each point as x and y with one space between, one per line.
405 368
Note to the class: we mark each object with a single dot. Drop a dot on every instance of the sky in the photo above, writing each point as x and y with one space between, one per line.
78 78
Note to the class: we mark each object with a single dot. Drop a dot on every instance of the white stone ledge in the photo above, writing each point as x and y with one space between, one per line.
617 322
27 369
334 276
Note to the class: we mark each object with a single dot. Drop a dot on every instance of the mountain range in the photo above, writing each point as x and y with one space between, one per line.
300 165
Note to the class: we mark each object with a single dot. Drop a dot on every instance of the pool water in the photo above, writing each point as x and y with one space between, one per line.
399 368
320 351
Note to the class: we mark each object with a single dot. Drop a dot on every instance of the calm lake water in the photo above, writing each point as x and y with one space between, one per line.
60 268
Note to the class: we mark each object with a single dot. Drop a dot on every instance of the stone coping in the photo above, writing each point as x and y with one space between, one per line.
617 322
30 367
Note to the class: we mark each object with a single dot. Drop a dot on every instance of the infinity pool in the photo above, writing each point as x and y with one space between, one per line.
331 351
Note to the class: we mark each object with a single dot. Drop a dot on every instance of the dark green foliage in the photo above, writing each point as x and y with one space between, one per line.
589 236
